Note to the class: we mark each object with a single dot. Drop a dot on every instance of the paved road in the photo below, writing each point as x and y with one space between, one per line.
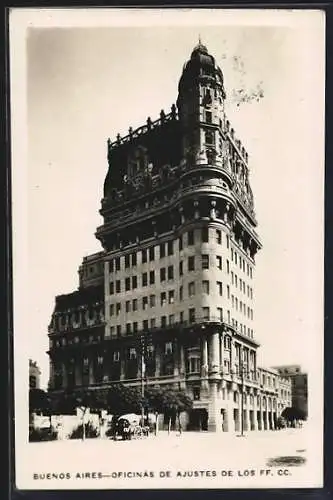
196 455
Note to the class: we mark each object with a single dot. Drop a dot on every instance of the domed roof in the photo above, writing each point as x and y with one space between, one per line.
200 63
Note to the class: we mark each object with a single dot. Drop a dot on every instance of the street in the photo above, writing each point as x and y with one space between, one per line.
192 460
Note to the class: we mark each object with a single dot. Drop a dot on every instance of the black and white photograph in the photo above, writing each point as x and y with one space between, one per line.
168 247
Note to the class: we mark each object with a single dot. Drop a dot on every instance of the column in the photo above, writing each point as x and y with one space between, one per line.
91 371
247 423
182 367
158 361
204 365
255 413
214 411
78 372
64 376
221 352
214 353
122 364
204 355
176 360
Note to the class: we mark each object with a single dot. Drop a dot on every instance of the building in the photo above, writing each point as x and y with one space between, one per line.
299 386
34 375
177 270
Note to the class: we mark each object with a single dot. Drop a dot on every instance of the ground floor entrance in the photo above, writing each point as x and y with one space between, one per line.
198 420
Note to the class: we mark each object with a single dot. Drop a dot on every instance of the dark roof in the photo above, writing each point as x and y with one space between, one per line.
83 296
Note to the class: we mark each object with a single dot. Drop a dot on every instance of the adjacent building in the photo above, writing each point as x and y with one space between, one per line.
299 386
176 276
34 375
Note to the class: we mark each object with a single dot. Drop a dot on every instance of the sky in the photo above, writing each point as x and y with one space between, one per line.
85 84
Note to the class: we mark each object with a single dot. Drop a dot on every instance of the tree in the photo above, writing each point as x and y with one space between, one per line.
40 401
122 399
168 401
69 401
292 413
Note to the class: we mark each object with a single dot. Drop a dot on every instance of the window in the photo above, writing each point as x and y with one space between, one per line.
204 235
151 277
127 284
117 263
111 266
111 288
111 309
163 299
219 262
205 261
218 237
196 393
228 267
180 243
191 314
168 348
228 242
118 286
209 138
151 254
152 323
116 356
170 247
118 330
134 282
132 353
205 287
240 262
228 291
135 304
128 328
205 312
144 279
162 250
220 313
133 259
235 255
191 289
128 306
208 117
135 327
162 274
163 321
181 268
219 287
152 300
171 296
144 256
171 319
145 325
144 303
181 316
170 272
190 237
236 280
127 261
180 293
118 308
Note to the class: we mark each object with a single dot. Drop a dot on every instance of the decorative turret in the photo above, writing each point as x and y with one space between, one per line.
200 104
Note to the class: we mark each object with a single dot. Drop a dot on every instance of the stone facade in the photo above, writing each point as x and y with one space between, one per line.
177 270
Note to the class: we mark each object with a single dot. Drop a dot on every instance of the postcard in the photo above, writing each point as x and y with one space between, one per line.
167 177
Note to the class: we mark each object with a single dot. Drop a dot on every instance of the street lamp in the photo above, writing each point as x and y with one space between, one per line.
144 341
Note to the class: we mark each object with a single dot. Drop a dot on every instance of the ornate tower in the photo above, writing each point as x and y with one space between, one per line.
201 107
